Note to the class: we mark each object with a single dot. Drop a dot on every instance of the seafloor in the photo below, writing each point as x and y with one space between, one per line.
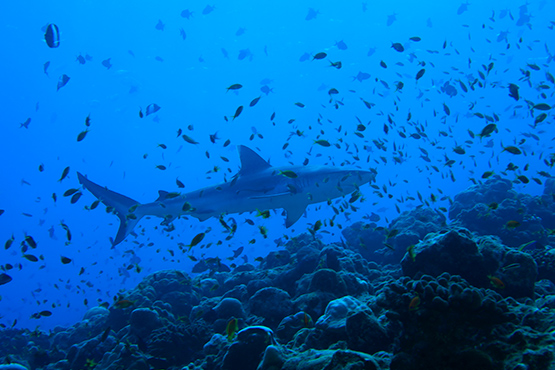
475 293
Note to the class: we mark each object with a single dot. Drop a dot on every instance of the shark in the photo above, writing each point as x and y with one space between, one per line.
257 186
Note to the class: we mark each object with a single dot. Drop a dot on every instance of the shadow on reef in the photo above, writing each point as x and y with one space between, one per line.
478 293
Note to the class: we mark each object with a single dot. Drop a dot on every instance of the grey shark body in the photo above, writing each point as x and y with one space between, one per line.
257 186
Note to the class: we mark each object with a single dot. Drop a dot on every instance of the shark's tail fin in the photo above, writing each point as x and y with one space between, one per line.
125 208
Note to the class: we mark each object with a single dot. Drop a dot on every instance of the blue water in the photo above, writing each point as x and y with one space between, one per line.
187 74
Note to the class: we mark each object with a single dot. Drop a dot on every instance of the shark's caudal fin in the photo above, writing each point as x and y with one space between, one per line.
120 203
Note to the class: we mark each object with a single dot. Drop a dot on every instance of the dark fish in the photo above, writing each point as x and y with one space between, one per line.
62 81
512 149
234 87
420 74
75 197
81 59
9 243
152 108
64 174
30 257
52 36
382 64
299 104
337 65
238 111
197 239
415 39
540 118
65 260
397 46
288 173
542 106
318 56
254 101
69 192
189 139
82 135
26 123
487 130
108 329
323 143
5 278
513 92
106 63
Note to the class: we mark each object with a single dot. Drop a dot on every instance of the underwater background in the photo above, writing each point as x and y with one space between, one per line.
448 103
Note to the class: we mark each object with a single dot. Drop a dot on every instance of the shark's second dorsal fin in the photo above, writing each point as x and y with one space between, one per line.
250 161
162 195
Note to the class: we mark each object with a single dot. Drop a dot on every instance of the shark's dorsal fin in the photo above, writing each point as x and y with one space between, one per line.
250 161
161 195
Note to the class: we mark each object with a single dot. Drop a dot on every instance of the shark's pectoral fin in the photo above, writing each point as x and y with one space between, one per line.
203 215
293 214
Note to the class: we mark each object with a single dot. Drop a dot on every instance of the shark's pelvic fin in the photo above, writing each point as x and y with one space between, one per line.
250 161
126 208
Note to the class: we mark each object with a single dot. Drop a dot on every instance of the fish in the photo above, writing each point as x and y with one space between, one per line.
65 172
341 45
318 56
398 47
257 186
231 329
82 135
52 36
62 81
25 124
512 149
238 112
496 282
234 87
513 91
106 63
5 278
151 109
197 239
542 106
414 303
160 25
254 101
420 74
208 9
488 130
186 13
